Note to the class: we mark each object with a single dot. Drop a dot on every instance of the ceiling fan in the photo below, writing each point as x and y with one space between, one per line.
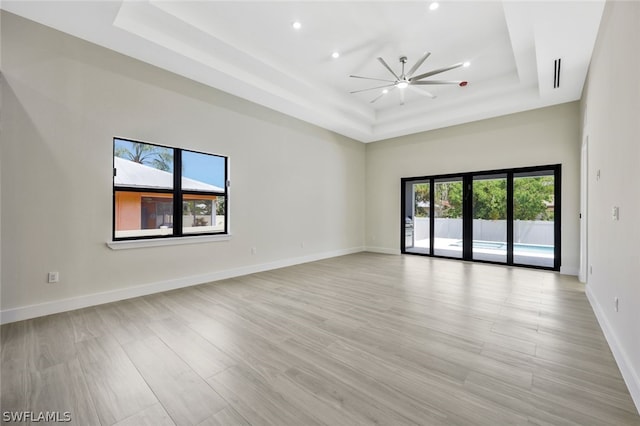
405 80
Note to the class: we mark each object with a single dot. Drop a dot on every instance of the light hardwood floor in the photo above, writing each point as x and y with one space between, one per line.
359 339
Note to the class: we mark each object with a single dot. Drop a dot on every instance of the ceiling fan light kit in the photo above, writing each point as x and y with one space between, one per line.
406 80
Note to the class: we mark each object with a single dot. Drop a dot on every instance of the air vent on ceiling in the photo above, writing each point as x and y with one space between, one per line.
556 73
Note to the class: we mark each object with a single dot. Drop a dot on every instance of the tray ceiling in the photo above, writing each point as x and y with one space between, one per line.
251 50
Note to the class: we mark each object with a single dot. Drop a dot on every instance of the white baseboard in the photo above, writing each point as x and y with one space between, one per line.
63 305
570 270
629 373
383 250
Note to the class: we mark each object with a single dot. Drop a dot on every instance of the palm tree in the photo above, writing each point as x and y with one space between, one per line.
150 155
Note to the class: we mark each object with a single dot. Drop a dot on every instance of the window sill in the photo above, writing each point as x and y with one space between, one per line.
159 242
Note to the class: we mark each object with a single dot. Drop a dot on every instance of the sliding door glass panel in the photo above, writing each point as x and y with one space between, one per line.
533 213
447 235
416 221
489 206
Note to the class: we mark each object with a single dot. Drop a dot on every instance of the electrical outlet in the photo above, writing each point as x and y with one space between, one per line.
615 213
254 250
302 244
53 277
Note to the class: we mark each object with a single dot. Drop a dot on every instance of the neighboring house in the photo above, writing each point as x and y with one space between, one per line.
137 209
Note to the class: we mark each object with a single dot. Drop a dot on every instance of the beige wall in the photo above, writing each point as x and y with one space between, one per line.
540 137
63 102
611 117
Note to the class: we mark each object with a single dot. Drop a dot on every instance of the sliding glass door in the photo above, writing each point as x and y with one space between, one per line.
489 206
416 224
506 216
534 218
447 232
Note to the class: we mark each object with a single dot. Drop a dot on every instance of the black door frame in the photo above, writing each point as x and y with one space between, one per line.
467 212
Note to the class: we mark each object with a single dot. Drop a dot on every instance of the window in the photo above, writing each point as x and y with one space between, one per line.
506 216
160 191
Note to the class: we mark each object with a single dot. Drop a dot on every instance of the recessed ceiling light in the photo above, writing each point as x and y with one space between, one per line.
434 5
296 25
385 91
466 64
335 55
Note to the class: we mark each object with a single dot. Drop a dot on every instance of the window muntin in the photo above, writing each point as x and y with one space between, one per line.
152 201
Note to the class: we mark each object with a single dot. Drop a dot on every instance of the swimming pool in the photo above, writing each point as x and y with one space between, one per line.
518 248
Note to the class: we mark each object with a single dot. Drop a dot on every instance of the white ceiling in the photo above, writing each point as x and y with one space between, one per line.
250 49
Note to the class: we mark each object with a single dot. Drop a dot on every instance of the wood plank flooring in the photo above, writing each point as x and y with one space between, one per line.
355 340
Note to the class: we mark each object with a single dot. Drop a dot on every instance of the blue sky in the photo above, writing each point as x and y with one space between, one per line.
203 167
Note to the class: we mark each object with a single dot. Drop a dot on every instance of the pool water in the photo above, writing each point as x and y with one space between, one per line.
517 247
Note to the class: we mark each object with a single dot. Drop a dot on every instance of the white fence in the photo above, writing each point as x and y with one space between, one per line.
524 231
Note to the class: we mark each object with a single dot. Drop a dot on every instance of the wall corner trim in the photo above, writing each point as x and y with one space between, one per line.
629 374
84 301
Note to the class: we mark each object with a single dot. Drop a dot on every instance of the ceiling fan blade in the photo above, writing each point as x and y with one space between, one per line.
423 92
381 95
371 78
417 64
388 67
434 72
427 82
377 97
373 88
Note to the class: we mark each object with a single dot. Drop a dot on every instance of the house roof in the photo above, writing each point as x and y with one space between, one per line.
132 174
